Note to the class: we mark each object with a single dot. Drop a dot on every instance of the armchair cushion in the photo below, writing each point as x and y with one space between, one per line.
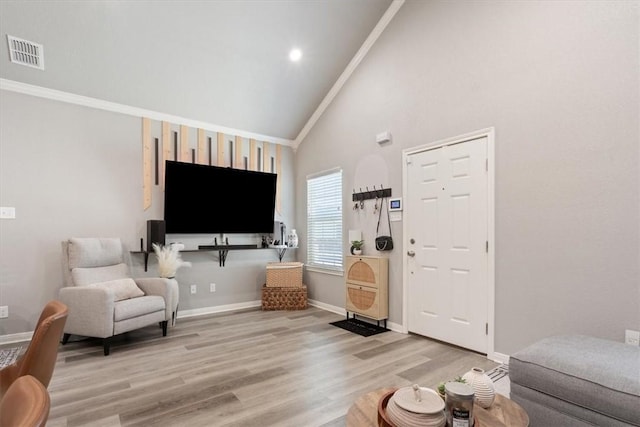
94 252
122 288
134 307
85 276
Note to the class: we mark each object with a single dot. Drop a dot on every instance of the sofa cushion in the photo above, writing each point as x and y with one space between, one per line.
130 308
86 276
94 252
121 288
601 375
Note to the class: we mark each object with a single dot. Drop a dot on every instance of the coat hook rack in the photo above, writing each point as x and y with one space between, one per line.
373 194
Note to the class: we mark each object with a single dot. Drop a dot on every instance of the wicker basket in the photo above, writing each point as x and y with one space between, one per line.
284 298
284 274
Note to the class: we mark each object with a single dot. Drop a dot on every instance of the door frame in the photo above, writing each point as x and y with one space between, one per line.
489 133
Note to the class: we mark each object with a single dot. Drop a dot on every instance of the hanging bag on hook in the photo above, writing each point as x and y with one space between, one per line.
383 243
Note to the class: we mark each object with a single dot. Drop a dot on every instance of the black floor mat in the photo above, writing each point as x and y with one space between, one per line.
359 327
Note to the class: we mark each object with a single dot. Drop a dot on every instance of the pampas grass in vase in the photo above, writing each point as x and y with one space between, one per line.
169 260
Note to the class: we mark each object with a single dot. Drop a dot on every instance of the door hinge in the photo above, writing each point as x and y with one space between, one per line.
486 165
486 329
487 246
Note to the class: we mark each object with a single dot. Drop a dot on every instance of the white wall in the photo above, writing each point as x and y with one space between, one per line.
73 171
559 82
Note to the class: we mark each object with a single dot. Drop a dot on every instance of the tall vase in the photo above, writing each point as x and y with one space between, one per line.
483 387
293 239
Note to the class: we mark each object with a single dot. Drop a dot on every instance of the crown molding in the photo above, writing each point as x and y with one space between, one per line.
359 56
85 101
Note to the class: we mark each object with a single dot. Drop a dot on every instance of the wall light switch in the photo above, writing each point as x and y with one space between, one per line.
7 212
632 337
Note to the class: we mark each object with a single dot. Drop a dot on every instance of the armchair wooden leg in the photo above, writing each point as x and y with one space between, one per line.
106 343
164 328
65 338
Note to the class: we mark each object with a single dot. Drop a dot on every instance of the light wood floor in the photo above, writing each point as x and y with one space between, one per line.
248 368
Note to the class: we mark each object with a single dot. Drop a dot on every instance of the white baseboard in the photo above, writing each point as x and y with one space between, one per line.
327 307
499 357
217 309
13 338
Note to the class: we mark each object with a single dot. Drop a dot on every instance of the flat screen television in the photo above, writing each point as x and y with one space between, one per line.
201 199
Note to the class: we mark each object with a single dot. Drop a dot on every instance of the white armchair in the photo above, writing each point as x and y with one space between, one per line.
103 299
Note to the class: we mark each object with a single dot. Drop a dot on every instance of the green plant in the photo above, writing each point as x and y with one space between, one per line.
357 244
458 379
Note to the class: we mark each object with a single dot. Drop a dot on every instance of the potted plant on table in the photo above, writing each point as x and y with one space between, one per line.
356 247
440 387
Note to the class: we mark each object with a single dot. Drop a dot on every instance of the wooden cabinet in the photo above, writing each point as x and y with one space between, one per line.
367 286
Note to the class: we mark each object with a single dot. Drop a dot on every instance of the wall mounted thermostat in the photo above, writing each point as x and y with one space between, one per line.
395 209
395 204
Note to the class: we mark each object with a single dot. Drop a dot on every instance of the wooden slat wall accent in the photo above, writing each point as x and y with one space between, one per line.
185 152
253 163
201 157
279 180
220 149
238 161
146 163
266 164
166 148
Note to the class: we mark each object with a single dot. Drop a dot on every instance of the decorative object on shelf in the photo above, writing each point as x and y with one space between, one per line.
292 240
356 247
483 387
169 260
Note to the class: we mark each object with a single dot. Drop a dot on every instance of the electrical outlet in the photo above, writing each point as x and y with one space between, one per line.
4 312
632 337
212 287
7 212
194 289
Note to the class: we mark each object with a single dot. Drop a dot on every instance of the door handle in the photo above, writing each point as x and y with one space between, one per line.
411 253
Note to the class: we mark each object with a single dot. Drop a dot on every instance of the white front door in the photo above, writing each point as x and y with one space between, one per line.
446 243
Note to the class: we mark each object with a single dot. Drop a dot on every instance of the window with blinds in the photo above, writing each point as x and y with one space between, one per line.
324 220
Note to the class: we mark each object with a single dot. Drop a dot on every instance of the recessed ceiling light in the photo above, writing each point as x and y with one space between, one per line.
295 55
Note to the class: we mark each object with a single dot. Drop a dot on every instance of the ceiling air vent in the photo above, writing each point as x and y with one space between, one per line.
26 53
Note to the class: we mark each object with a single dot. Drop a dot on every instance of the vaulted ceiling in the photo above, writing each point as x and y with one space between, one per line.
222 62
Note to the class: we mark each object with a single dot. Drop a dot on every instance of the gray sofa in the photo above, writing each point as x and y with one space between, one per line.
577 380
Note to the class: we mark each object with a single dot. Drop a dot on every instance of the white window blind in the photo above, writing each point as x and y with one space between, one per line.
324 220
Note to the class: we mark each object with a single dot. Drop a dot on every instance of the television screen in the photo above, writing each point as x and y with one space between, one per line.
201 199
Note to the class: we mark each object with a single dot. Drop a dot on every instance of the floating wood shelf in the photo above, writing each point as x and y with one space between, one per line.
223 251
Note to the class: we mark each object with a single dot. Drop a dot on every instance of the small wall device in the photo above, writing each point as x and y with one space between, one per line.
395 204
395 209
383 137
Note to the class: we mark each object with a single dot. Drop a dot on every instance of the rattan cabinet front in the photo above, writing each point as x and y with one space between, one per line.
367 286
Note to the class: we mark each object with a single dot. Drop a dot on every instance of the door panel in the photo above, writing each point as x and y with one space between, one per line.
446 214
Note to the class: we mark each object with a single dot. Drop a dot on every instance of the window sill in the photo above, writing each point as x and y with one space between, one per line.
324 270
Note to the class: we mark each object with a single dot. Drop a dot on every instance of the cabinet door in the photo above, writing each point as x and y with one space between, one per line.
363 271
363 300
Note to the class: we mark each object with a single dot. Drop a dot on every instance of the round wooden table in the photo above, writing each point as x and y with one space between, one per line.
504 412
